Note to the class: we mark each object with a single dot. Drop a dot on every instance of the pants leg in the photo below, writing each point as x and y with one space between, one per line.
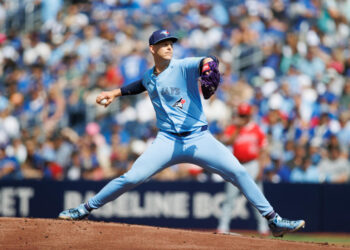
215 157
157 156
253 169
261 222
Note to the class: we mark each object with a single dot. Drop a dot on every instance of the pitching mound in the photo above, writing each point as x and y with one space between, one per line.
23 233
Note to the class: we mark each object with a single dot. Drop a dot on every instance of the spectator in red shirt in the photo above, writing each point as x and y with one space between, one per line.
248 145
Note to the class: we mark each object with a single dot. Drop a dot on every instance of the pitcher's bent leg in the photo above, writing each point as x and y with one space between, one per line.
217 158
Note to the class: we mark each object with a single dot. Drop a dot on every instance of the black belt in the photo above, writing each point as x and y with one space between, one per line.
183 134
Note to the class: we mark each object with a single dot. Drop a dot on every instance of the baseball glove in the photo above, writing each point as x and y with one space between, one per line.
210 78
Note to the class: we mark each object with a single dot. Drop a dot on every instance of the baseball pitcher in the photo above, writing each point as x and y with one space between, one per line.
183 135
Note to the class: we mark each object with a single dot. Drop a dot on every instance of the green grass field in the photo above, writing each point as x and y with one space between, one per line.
338 239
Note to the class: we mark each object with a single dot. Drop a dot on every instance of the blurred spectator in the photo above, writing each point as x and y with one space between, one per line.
75 20
54 115
51 169
323 130
315 151
217 113
311 65
35 51
119 157
97 152
333 168
90 164
273 127
299 161
343 134
206 36
9 166
2 16
133 66
238 92
33 165
305 173
127 116
75 171
268 84
17 150
50 9
9 125
344 101
63 150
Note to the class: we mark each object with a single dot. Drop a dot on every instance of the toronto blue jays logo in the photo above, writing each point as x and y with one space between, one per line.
179 103
165 32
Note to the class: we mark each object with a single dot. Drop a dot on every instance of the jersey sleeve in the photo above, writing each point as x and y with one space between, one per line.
133 88
192 63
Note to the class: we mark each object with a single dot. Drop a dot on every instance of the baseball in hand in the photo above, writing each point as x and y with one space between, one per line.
103 101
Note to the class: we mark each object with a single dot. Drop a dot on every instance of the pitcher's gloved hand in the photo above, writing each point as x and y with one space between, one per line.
210 78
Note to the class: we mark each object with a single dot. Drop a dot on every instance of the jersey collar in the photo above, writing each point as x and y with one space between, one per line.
153 68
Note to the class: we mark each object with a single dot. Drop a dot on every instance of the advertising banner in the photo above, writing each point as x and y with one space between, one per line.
179 204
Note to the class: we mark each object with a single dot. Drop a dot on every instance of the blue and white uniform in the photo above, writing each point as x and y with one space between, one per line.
182 137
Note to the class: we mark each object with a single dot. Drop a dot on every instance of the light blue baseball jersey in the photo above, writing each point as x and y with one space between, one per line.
175 95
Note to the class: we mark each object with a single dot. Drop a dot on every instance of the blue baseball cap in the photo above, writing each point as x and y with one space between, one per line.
161 35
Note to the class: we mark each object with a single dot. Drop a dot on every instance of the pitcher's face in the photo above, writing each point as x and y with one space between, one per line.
162 50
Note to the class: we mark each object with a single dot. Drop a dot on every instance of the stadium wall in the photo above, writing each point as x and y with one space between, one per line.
325 207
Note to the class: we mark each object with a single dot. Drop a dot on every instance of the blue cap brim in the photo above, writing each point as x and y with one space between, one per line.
172 38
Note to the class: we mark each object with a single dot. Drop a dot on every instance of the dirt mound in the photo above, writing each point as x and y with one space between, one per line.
25 233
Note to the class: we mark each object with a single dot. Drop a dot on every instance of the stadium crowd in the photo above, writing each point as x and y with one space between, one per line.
290 59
